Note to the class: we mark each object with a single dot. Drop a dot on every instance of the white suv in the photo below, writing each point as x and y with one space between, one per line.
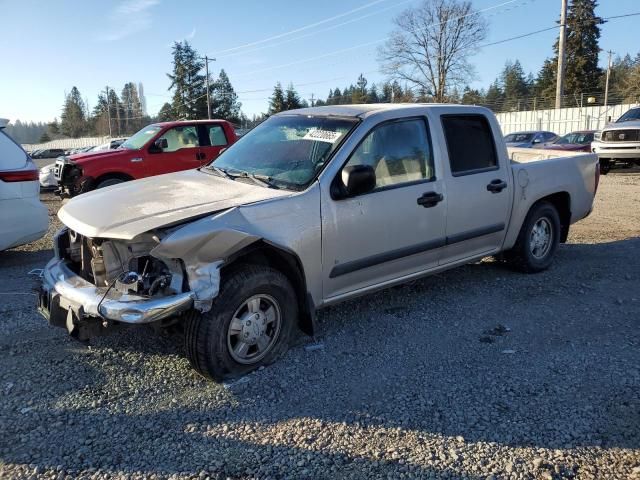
619 141
23 218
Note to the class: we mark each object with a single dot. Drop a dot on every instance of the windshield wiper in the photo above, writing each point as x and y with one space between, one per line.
264 180
220 171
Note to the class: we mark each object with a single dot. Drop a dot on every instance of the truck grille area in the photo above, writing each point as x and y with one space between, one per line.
621 136
105 263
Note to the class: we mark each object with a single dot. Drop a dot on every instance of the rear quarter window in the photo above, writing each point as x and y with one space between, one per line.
12 156
469 143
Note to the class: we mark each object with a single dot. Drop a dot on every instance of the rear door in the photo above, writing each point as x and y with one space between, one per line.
212 141
182 151
479 187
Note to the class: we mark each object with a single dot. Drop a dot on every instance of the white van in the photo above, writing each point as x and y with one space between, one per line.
23 218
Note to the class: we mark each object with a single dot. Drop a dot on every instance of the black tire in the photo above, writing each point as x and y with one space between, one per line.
605 167
107 182
521 257
206 335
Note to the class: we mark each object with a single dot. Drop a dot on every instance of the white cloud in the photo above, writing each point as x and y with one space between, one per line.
128 18
191 35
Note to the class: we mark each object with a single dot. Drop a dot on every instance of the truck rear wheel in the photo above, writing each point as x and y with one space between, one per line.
249 325
537 241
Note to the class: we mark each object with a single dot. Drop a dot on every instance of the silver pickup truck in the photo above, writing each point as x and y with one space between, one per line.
310 208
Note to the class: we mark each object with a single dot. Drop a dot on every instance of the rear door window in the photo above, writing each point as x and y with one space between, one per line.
216 136
470 144
12 156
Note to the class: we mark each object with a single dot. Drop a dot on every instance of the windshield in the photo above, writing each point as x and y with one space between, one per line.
633 114
289 150
137 141
518 137
575 138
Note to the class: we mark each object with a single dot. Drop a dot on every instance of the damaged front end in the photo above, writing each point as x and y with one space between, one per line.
70 178
94 284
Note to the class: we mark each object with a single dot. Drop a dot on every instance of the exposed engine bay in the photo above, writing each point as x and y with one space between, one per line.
125 267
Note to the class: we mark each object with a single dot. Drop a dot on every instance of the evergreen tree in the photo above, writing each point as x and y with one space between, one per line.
495 97
166 113
132 109
582 74
292 99
73 122
359 94
372 95
224 100
277 100
100 116
515 86
471 96
187 83
631 87
44 138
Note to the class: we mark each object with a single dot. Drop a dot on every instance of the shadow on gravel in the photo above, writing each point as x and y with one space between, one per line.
14 258
404 362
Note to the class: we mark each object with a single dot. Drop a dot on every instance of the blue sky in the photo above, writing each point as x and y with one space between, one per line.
48 47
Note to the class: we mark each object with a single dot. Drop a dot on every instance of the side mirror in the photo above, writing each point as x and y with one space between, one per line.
537 140
159 145
358 179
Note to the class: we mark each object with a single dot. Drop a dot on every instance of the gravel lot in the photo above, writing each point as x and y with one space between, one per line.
475 373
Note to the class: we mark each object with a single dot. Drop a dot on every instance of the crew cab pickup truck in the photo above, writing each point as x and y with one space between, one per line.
310 208
619 141
154 150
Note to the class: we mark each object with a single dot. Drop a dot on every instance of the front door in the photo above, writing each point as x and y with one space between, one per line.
395 230
478 186
182 151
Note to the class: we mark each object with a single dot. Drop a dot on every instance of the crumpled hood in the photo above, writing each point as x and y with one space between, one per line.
131 208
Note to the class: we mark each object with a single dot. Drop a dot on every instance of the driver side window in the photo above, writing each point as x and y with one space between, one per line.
181 137
398 151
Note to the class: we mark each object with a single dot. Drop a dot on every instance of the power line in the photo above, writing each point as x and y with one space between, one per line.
300 29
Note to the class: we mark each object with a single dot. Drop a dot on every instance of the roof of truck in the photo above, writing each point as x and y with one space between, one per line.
361 109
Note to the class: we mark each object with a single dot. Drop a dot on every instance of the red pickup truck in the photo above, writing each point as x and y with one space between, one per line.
156 149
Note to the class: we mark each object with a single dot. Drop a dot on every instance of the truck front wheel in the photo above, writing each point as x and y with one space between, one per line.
537 241
249 325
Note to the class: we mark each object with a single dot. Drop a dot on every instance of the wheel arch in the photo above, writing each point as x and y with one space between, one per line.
562 203
106 176
263 252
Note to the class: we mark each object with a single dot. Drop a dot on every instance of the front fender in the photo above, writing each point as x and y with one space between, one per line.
203 246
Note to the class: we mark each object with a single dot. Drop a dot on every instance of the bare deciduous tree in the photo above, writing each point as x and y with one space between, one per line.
431 46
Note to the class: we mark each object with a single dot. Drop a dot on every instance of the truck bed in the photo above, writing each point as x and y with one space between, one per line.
545 172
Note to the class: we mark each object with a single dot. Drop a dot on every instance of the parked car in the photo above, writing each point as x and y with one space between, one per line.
47 177
23 218
579 141
48 153
310 208
533 139
619 141
154 150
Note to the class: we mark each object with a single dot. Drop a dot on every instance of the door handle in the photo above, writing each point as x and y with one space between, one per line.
136 160
430 199
497 185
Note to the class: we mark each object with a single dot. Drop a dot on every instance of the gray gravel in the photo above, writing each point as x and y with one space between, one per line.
475 373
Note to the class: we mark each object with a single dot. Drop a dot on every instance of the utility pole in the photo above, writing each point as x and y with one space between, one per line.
606 86
313 101
206 68
108 110
561 54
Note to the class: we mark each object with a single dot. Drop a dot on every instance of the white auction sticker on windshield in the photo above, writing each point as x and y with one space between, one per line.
322 135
